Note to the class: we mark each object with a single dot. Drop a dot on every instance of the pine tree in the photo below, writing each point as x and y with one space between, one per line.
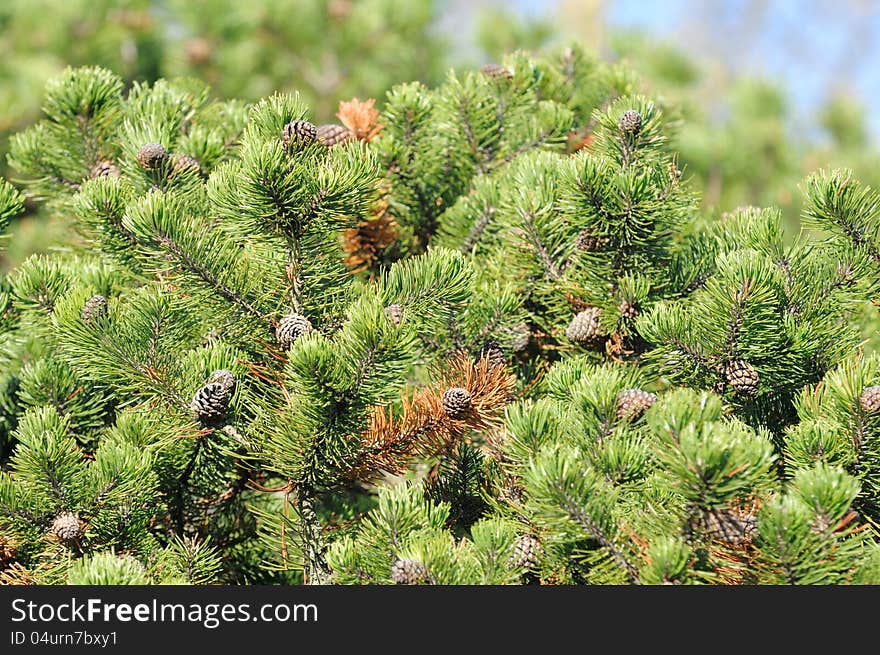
556 370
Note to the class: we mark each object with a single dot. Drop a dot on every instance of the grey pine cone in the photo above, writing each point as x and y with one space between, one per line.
630 122
410 571
728 527
492 351
152 155
66 526
743 377
633 403
585 327
588 241
497 71
526 553
628 310
521 339
104 167
870 399
394 313
456 402
290 328
211 402
298 133
94 309
181 163
332 134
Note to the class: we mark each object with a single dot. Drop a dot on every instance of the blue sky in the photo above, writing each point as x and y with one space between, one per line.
813 47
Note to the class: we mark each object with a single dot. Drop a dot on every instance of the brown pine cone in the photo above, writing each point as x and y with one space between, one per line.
332 135
630 122
492 351
743 377
298 134
152 156
456 402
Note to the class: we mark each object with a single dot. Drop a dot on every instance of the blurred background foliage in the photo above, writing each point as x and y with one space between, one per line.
740 139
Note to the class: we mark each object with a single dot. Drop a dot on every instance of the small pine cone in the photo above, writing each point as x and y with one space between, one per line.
585 327
729 527
290 328
332 135
456 402
410 571
394 313
521 340
104 167
180 162
94 309
743 377
589 241
211 402
821 524
630 122
152 155
198 51
633 403
299 133
212 336
339 9
225 378
511 492
870 399
497 71
492 351
67 526
526 553
697 283
628 310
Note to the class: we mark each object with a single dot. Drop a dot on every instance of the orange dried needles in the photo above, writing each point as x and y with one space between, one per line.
468 396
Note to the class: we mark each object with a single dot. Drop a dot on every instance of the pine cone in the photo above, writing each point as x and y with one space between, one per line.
521 340
211 402
628 310
870 399
67 526
394 313
339 9
180 162
630 122
527 552
332 135
743 377
456 402
104 167
633 403
290 328
94 309
152 155
492 351
586 326
410 571
588 241
497 71
729 527
198 51
298 134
